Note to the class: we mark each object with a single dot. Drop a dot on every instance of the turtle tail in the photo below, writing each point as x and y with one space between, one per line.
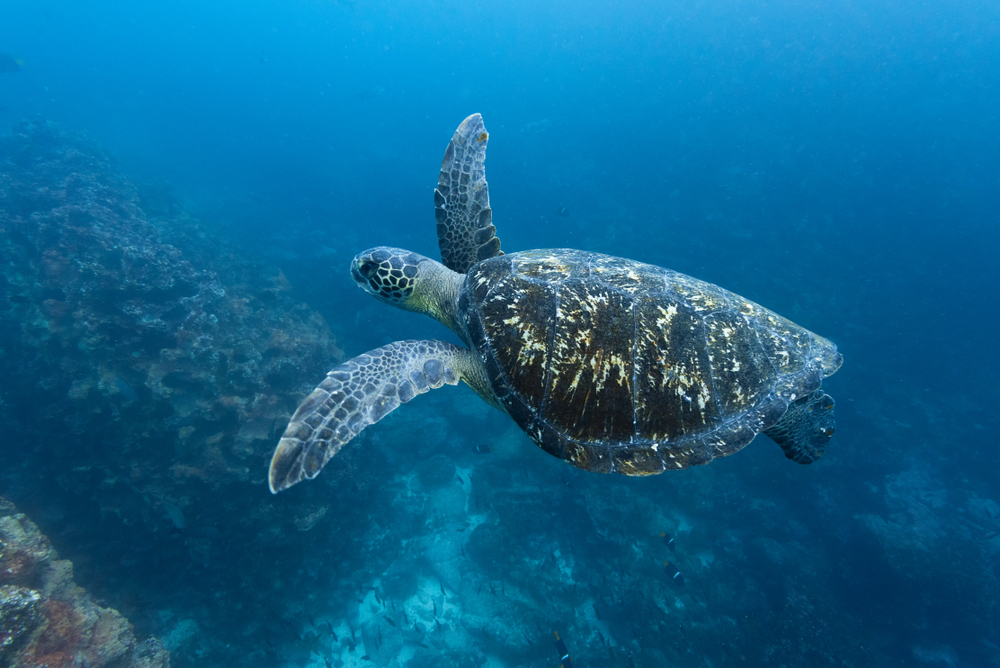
805 428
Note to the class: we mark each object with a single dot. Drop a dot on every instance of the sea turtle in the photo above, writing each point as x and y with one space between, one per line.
610 364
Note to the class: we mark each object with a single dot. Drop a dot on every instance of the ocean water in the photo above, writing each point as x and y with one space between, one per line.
834 162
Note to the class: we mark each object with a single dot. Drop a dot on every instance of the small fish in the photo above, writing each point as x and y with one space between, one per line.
327 662
420 644
563 212
393 604
482 449
353 637
391 623
438 623
406 619
366 658
492 590
329 627
441 582
375 593
312 622
597 612
675 575
435 604
668 540
564 657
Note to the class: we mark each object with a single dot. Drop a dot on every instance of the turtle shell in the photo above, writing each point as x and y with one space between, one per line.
620 366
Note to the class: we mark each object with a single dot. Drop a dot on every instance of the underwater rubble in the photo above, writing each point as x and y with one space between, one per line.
47 620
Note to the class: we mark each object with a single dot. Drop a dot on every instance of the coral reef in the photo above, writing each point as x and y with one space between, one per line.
139 322
145 370
47 620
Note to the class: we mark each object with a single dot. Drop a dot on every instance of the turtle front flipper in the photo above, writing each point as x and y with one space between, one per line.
805 428
462 200
358 393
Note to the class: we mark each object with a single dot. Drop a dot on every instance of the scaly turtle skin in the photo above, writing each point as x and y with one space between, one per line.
607 363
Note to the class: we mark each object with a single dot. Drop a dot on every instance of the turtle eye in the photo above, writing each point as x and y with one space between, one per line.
366 269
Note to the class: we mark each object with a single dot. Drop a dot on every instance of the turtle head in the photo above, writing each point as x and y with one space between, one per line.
390 274
409 281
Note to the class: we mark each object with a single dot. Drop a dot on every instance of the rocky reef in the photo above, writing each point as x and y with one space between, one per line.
47 620
135 319
145 370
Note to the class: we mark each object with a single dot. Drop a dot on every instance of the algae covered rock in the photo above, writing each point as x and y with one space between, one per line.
19 616
47 620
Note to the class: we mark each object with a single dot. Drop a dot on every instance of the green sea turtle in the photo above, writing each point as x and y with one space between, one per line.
610 364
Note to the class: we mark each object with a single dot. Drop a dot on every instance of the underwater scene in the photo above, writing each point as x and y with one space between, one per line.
705 224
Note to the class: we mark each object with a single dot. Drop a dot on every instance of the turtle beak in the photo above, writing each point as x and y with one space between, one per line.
364 260
358 278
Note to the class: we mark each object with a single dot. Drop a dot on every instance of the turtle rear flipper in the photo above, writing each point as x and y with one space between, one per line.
465 228
804 429
358 393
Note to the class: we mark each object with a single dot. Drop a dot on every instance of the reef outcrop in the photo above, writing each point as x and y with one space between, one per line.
122 316
47 620
146 368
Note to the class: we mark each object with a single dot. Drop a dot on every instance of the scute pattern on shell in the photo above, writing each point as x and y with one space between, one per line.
620 366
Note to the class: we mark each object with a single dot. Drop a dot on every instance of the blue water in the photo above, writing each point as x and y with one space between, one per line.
836 163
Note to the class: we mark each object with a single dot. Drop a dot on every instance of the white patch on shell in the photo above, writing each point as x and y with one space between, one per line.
532 346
